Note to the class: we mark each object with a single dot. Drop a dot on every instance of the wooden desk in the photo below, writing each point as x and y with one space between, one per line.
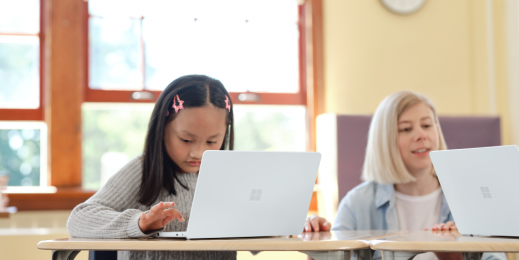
320 245
410 244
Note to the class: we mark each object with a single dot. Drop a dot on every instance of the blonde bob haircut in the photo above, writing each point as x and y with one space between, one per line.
383 163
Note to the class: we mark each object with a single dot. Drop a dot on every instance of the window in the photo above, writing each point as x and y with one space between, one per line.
20 50
21 158
270 127
250 46
134 52
22 143
113 134
28 28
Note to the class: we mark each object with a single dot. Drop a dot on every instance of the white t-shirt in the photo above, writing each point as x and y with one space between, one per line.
418 212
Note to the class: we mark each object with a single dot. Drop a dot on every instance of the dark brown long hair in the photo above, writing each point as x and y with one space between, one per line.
158 170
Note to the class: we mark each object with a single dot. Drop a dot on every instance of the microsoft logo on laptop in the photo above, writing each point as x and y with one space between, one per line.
255 194
486 192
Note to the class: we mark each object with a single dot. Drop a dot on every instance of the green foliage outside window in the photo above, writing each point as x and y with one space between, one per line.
120 132
20 156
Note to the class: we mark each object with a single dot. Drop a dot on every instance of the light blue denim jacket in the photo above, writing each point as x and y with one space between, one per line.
371 206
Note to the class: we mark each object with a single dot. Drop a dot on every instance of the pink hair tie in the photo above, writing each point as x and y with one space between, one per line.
178 107
180 104
227 103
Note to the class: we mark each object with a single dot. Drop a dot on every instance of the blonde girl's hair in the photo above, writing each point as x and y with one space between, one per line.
383 162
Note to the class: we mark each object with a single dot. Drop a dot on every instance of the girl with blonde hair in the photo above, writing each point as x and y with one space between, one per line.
401 190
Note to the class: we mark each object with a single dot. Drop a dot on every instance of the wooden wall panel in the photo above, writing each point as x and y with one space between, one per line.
63 79
314 70
312 33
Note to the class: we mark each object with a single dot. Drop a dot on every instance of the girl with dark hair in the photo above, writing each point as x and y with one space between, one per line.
193 114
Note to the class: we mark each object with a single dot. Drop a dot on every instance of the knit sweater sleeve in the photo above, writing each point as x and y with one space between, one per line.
112 211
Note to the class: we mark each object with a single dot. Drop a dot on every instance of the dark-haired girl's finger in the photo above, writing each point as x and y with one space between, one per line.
156 211
164 205
169 204
308 226
174 213
179 216
315 224
326 226
167 220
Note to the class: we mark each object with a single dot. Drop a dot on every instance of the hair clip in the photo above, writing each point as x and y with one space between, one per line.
180 104
227 103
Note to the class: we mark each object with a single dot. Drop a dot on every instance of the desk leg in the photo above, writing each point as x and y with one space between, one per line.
328 255
397 255
472 256
64 254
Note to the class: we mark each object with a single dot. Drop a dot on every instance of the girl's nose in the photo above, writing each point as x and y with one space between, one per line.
197 151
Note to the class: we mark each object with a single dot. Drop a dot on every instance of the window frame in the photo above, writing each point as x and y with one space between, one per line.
67 196
63 117
264 98
13 115
17 114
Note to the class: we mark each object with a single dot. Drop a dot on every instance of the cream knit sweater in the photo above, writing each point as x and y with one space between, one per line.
114 212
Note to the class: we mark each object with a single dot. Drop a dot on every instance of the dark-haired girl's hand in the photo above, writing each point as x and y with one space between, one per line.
315 223
159 216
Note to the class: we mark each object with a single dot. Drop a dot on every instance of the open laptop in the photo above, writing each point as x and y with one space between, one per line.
251 194
481 186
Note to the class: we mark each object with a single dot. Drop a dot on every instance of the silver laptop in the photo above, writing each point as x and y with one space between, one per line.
251 194
481 186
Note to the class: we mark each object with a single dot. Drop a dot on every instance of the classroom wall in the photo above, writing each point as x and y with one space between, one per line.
21 232
441 51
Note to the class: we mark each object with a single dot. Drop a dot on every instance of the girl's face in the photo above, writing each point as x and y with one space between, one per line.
193 131
417 136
